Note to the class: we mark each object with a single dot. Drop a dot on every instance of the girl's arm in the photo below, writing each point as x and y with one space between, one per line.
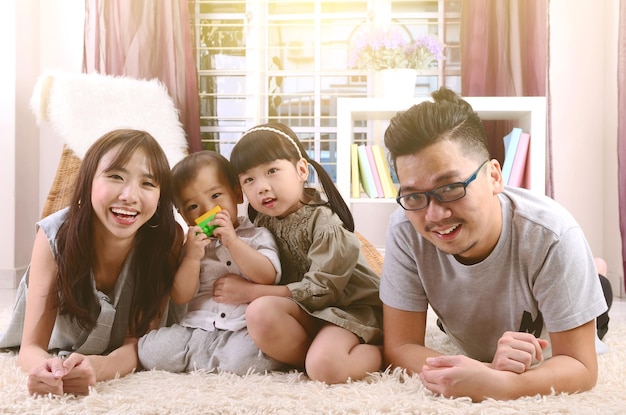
235 289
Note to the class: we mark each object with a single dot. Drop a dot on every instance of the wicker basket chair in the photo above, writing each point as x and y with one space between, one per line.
373 255
63 183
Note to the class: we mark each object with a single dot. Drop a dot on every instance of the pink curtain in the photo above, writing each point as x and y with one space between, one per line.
146 40
504 52
621 127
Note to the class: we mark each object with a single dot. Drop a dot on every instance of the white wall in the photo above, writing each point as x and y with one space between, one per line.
583 83
38 35
62 23
8 18
19 144
583 62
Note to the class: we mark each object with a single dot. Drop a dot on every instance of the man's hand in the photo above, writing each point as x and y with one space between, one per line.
456 376
517 352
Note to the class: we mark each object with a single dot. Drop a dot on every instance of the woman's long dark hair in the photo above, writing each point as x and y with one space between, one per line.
154 253
262 145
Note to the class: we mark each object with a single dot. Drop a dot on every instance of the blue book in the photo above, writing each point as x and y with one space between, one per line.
511 140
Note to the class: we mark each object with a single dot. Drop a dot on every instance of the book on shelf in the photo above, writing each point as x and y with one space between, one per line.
511 140
367 178
389 189
518 169
374 168
354 171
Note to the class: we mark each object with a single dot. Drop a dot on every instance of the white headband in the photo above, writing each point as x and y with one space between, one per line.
277 131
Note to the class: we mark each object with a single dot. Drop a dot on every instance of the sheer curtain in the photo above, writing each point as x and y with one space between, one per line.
504 52
146 40
621 127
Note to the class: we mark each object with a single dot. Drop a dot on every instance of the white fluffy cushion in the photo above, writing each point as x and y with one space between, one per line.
83 107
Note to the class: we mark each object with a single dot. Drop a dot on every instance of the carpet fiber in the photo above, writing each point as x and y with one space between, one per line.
292 393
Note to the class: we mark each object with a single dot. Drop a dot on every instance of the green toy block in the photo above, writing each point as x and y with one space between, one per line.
206 218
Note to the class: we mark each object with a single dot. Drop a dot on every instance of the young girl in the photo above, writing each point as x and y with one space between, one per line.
326 317
100 270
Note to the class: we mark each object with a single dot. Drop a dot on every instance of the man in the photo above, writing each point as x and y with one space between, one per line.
504 269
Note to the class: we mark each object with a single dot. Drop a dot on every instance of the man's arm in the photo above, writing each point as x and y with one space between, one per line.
572 368
405 332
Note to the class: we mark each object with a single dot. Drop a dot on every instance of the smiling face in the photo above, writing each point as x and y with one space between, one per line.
275 188
209 189
123 198
468 228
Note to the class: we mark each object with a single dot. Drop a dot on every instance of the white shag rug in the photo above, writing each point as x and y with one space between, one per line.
394 392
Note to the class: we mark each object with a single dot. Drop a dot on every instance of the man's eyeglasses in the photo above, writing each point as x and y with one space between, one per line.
443 194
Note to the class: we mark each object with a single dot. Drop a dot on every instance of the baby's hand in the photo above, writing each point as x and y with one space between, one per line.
195 244
517 352
225 230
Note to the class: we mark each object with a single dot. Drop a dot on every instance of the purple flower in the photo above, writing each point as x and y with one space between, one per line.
387 47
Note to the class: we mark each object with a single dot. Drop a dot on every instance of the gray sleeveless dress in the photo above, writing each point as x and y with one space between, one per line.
67 336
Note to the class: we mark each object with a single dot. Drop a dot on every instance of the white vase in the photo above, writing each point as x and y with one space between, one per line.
395 83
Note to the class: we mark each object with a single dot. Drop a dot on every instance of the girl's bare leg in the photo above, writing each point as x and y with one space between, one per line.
336 355
280 329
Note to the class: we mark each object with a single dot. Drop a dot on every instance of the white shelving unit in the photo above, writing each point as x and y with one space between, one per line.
529 113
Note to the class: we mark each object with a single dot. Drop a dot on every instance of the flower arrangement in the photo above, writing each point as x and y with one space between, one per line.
385 47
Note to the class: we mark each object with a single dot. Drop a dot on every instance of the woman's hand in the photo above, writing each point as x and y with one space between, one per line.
57 376
80 374
47 377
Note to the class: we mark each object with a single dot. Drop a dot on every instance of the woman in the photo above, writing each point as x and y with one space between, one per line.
100 270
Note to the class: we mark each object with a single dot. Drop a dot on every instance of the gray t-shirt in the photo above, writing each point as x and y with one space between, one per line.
539 278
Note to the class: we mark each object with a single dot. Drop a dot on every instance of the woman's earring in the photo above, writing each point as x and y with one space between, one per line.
154 218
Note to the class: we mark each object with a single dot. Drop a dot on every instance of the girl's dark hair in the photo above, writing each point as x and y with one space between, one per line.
262 145
449 117
154 252
186 170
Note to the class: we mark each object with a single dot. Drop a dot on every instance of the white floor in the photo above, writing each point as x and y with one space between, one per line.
617 313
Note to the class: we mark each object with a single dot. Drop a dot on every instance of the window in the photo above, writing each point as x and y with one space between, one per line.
287 61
